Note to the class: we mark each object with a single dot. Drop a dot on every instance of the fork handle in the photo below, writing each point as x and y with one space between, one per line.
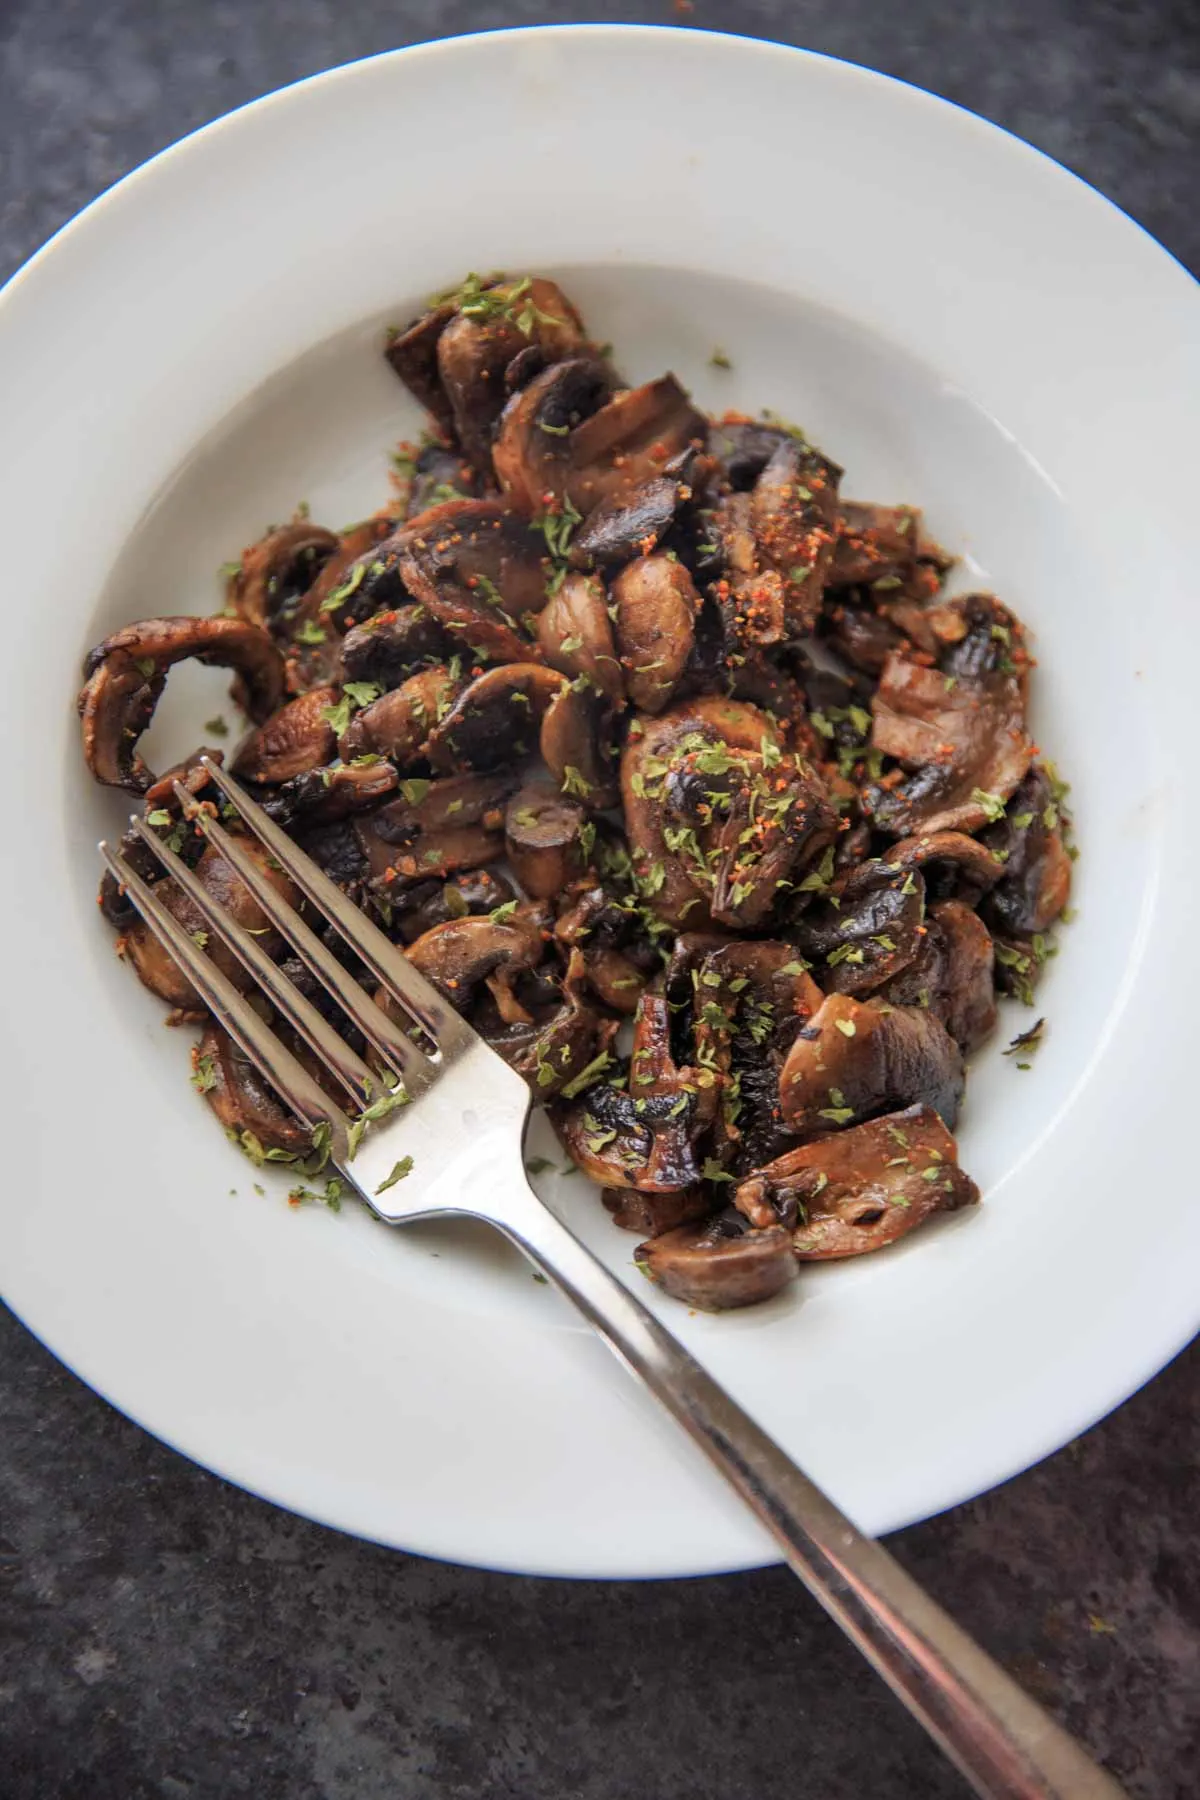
1006 1746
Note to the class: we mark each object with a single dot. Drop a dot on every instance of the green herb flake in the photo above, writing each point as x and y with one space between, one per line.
400 1170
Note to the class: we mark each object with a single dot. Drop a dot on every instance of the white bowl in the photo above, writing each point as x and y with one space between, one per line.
959 322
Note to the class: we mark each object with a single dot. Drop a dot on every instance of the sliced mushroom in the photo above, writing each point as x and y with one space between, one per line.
655 605
430 903
323 796
399 724
950 861
964 738
794 510
276 573
857 1059
125 676
473 352
953 975
242 1100
719 1265
874 544
568 436
412 353
390 647
618 956
338 599
631 524
1036 871
652 1214
496 718
459 955
779 818
868 928
743 447
575 634
553 1047
577 745
113 901
298 738
543 837
435 828
433 474
860 1189
158 971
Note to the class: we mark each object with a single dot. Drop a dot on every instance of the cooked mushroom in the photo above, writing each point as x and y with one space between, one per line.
477 346
631 524
654 606
963 735
297 738
390 647
719 1265
793 510
950 861
412 353
278 571
434 828
575 634
569 436
399 724
866 928
652 1214
874 544
1036 871
323 796
953 975
159 972
554 1042
457 956
577 745
433 474
743 447
544 840
248 1108
860 1189
430 903
495 719
125 676
856 1059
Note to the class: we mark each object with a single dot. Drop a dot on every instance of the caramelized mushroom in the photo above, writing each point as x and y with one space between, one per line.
953 975
495 719
297 738
159 972
125 676
869 927
543 831
652 1214
575 634
655 606
390 647
433 829
860 1189
856 1059
631 524
242 1100
874 544
277 571
473 352
719 1265
399 724
793 514
1036 880
577 745
457 956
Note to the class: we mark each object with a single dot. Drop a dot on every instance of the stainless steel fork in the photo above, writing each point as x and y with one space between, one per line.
455 1148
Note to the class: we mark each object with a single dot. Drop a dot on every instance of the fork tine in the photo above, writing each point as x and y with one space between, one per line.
286 1074
448 1031
387 1037
321 1038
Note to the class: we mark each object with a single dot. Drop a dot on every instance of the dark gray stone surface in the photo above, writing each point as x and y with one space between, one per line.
166 1637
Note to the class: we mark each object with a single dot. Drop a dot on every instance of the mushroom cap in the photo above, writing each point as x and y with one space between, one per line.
855 1059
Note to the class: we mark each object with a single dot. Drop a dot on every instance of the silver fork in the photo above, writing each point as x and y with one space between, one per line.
463 1127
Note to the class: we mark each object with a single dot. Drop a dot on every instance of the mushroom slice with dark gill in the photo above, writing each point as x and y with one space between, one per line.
125 676
860 1189
1035 884
642 1134
874 543
324 796
855 1059
434 902
571 437
546 1030
277 571
577 745
386 649
495 720
459 955
161 800
864 928
952 864
953 974
631 524
719 1265
959 728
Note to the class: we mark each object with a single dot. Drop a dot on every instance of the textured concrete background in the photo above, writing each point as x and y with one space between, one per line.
165 1637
